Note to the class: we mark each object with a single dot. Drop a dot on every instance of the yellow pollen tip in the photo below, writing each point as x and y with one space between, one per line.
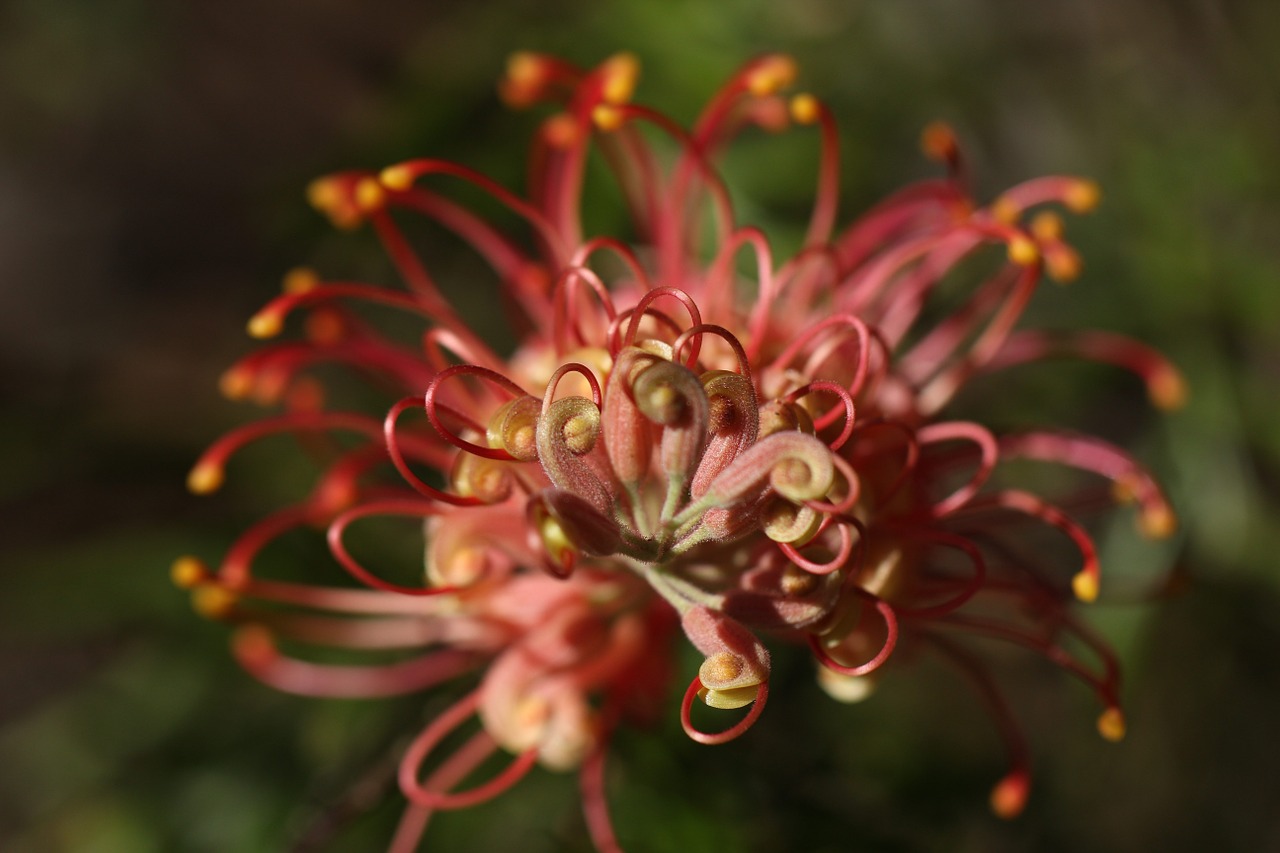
1158 522
1082 196
264 325
205 478
620 74
398 178
1047 225
213 602
371 195
1023 251
324 194
607 117
1111 724
1006 210
1167 390
300 280
771 75
805 109
1085 586
188 572
938 141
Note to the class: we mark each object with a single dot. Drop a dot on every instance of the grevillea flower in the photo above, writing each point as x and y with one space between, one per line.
673 445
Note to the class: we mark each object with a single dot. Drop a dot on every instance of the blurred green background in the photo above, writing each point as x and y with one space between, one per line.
152 157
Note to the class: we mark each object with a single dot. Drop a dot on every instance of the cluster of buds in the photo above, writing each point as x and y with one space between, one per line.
671 445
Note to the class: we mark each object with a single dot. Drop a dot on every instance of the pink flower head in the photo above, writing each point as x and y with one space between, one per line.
671 445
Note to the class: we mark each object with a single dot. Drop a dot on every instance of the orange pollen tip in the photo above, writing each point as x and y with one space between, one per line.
620 74
205 478
1167 390
1063 264
938 141
1111 724
1009 797
805 109
253 644
324 194
300 280
772 74
1006 210
236 384
188 572
1082 195
1085 586
526 68
1158 522
1047 225
397 178
371 195
561 130
607 117
264 324
213 602
1023 251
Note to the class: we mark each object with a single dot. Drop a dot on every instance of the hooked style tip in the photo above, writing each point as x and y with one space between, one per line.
772 74
188 572
1085 586
205 478
1009 796
805 109
264 325
1083 195
300 280
1167 390
213 601
1023 251
1111 724
398 178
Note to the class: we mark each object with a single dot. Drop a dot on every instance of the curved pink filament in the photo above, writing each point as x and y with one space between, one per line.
837 561
1033 506
438 729
813 334
422 167
412 508
398 460
571 367
966 431
823 421
736 730
619 248
846 504
216 456
595 807
236 568
970 588
695 319
615 326
305 678
565 313
688 335
431 406
912 452
878 660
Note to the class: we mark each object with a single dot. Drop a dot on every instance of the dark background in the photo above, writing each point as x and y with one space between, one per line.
152 158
